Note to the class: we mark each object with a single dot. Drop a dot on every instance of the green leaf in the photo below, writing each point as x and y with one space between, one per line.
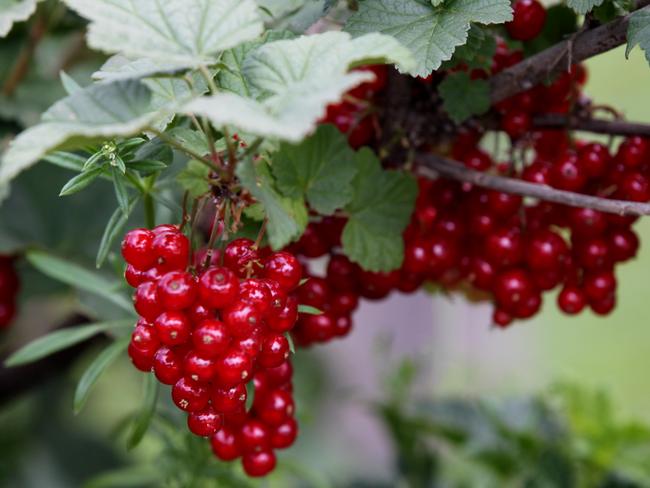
12 11
91 114
81 181
296 79
560 23
182 32
61 339
120 190
583 6
114 226
194 178
380 211
146 166
320 169
287 218
66 160
193 140
103 360
70 85
463 97
308 309
432 33
638 32
131 477
479 49
141 424
78 277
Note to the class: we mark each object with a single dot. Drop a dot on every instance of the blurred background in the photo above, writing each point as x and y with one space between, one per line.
424 392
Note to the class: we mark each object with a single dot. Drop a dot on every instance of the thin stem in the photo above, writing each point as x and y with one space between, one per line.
184 219
173 142
587 124
260 234
149 210
214 233
21 66
432 166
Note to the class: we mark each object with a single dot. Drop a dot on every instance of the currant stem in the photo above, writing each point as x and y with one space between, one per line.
432 166
598 126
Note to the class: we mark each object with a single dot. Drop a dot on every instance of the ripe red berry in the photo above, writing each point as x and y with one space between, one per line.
281 375
168 366
594 158
317 328
275 349
567 174
177 290
199 368
275 408
632 152
623 244
137 249
211 338
516 123
144 339
285 269
233 368
142 360
225 444
173 328
314 292
504 247
204 423
218 287
145 301
512 288
189 395
528 20
344 303
599 285
605 306
250 345
240 256
283 319
284 435
255 436
229 400
172 250
546 251
242 319
571 300
257 293
260 463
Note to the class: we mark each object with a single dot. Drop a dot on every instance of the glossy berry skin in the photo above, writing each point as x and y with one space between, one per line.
172 250
511 288
189 395
137 248
141 360
145 339
167 366
623 244
285 318
546 250
527 20
173 328
275 408
632 151
594 158
599 285
225 444
344 303
211 338
571 300
229 400
146 302
257 293
218 287
501 318
284 434
199 368
275 350
567 174
342 325
241 255
233 368
516 123
504 247
204 423
242 319
281 375
257 464
177 290
255 436
285 269
317 328
314 292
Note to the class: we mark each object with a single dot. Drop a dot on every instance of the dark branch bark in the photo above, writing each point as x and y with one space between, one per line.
432 165
547 64
586 124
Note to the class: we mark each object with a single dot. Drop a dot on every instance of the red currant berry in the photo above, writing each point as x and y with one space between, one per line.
285 269
317 328
172 250
255 436
546 251
567 174
284 435
528 20
284 319
146 301
571 300
229 400
167 366
314 292
141 360
189 395
173 328
204 423
233 368
258 464
501 318
623 244
218 287
605 306
281 375
275 350
177 290
240 256
515 123
137 248
276 407
257 293
211 338
242 319
225 444
199 368
599 285
504 247
144 339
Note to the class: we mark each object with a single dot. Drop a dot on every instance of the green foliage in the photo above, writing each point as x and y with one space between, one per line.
377 215
12 11
194 178
561 22
638 33
432 33
479 49
583 6
143 419
463 97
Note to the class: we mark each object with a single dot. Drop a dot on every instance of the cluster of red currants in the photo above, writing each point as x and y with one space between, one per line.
9 286
211 328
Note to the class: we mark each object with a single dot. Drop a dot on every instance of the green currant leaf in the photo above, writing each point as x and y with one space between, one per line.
193 140
638 33
143 420
463 97
147 166
287 217
320 169
12 11
70 85
378 214
308 309
96 369
179 32
194 178
479 49
121 193
92 114
114 226
295 80
62 339
81 181
581 7
66 160
432 33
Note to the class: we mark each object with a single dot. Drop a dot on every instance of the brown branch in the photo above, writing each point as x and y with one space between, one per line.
21 66
587 124
431 165
545 65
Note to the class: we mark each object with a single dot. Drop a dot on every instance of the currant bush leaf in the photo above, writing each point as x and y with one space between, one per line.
320 169
583 6
185 33
378 214
94 113
296 79
287 217
12 11
194 178
479 49
432 33
463 97
638 33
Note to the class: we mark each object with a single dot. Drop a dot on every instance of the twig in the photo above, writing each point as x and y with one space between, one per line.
431 165
21 66
545 65
598 126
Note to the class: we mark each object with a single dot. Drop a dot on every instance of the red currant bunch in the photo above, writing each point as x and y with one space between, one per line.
9 287
210 329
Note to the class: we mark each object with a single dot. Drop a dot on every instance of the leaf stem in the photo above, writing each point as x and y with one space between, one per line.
173 142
